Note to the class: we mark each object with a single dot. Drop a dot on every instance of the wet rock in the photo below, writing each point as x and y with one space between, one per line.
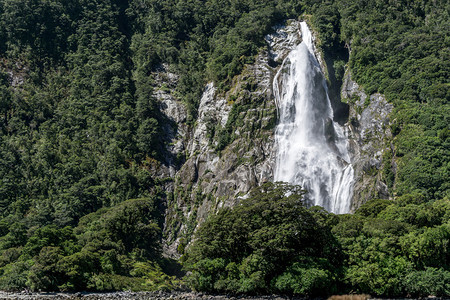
283 40
210 178
370 135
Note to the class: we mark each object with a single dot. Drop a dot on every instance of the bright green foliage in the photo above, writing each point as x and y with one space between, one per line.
306 278
264 245
80 132
430 281
373 207
398 250
400 49
112 249
374 251
132 225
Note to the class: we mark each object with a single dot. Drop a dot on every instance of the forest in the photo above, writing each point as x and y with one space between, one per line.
80 132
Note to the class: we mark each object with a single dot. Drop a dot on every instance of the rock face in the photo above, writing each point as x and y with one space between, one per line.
367 124
370 134
231 149
175 114
283 40
17 74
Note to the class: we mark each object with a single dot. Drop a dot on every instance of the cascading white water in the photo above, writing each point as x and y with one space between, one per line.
312 148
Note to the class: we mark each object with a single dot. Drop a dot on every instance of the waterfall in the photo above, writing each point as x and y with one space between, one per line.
312 149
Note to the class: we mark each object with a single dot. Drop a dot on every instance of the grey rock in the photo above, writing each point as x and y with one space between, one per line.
370 135
212 110
211 179
245 163
283 40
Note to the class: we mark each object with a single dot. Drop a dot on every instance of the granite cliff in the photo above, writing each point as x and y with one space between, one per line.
230 148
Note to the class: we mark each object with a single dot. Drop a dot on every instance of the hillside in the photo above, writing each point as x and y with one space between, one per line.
125 125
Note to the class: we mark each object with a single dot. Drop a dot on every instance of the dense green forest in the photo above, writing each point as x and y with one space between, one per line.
80 132
80 135
271 243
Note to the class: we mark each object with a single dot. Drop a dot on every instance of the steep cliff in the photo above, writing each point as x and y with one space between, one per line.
371 138
230 149
125 124
367 121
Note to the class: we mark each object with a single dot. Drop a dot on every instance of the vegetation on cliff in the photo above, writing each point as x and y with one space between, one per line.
268 243
80 129
81 133
272 243
400 49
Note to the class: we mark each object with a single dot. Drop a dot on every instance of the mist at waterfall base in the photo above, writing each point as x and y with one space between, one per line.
312 148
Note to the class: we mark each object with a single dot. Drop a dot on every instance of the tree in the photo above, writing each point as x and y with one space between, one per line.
264 242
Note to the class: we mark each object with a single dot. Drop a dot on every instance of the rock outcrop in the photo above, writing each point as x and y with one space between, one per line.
176 132
367 124
231 149
370 138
